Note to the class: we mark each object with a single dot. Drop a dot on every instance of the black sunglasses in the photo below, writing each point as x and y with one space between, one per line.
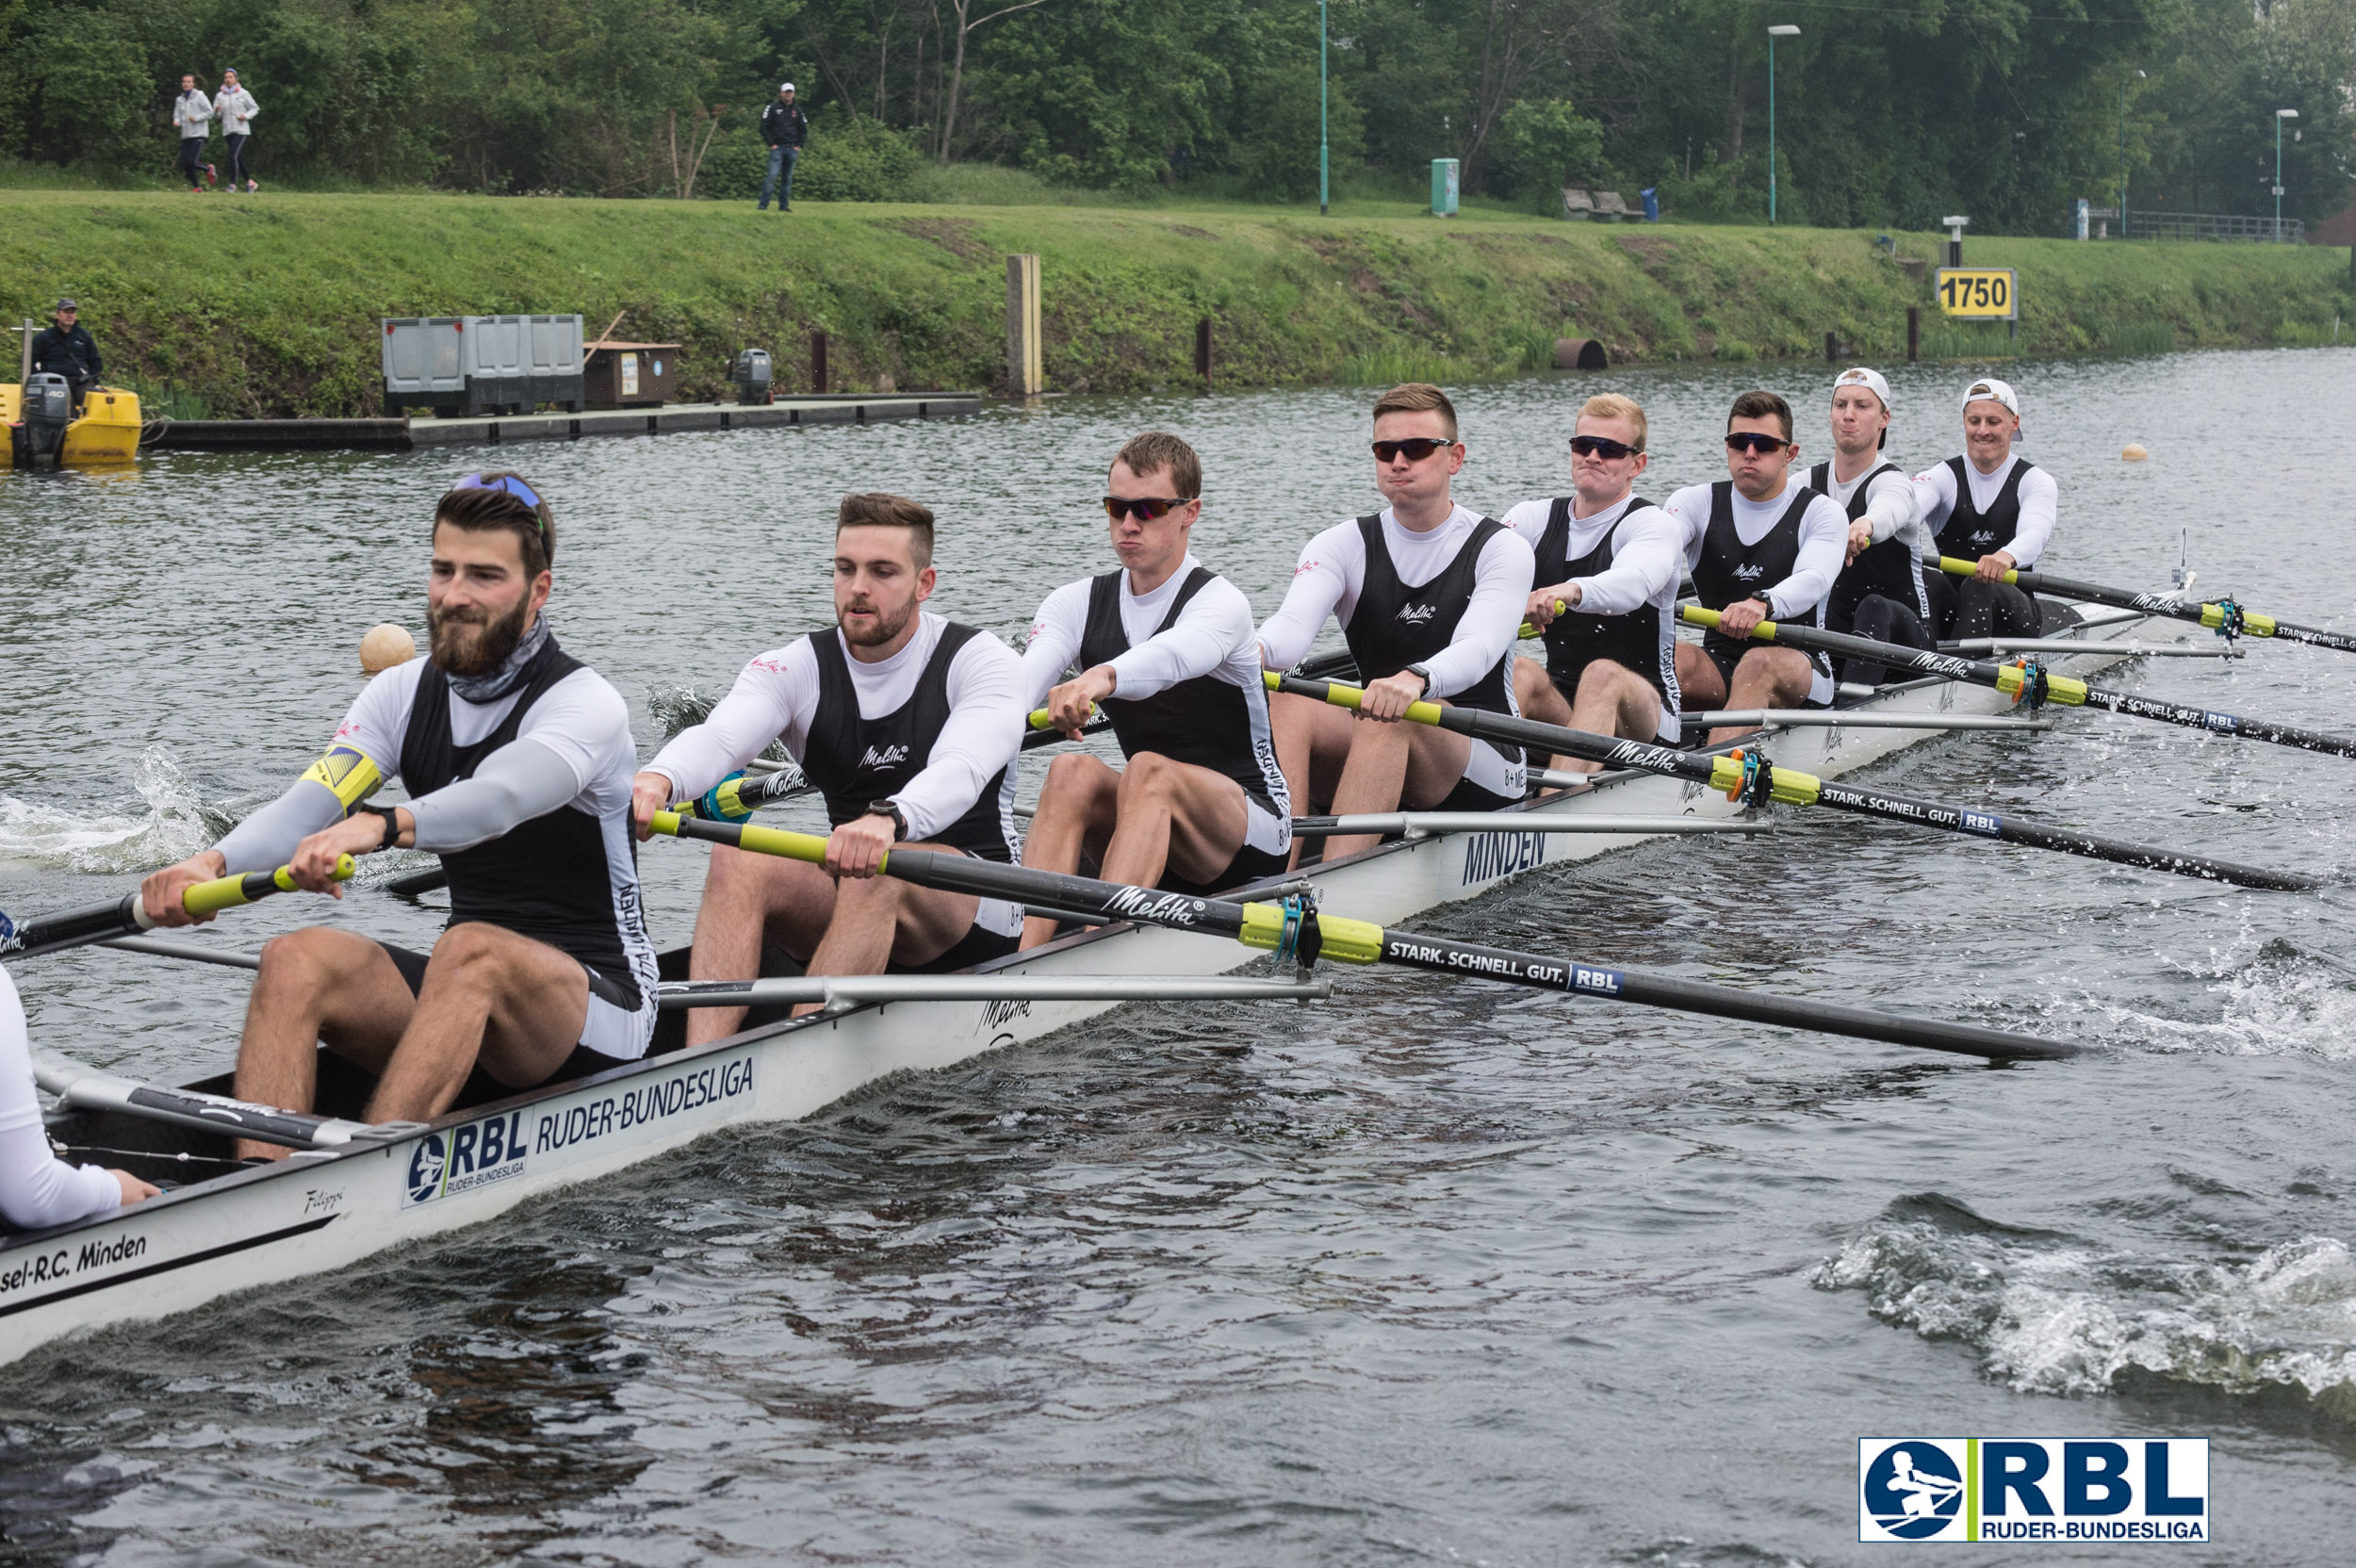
1146 508
1417 448
1603 446
1756 442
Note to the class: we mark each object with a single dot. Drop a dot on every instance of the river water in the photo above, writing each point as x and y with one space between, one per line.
1436 1271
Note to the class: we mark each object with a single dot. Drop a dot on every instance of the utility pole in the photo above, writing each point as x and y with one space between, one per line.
2280 115
1324 155
2122 154
1786 30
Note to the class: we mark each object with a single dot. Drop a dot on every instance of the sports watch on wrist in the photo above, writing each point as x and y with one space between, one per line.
891 808
1420 674
391 838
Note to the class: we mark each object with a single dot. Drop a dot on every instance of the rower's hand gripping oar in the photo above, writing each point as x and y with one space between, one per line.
126 916
1296 932
2225 617
2026 680
1745 776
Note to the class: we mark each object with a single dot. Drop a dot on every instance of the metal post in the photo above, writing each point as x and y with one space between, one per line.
818 360
1770 127
1202 351
2278 176
1914 333
1323 149
1026 375
25 372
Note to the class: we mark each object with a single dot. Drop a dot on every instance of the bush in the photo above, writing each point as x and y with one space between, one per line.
1543 147
846 160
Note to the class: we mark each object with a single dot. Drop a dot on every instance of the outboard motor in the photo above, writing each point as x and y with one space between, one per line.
750 372
46 409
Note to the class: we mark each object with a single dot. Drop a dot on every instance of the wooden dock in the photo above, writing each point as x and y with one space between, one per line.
838 408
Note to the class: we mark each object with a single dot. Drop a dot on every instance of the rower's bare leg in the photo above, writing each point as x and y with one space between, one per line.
1698 680
747 895
1395 765
1612 700
878 920
1313 741
316 983
1174 816
1767 678
1076 812
490 995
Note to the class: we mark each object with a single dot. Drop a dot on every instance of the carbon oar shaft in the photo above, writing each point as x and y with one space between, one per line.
1312 935
126 917
1735 777
2222 615
2014 679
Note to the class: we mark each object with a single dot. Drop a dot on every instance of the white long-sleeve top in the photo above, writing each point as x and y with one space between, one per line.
1213 636
1824 540
192 113
1332 571
776 697
2041 504
1891 506
35 1187
1648 554
236 108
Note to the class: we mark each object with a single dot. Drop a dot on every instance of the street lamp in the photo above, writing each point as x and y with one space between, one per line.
2280 115
1786 30
1322 147
2122 154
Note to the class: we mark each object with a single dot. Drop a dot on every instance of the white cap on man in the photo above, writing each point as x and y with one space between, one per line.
785 87
1858 375
1988 389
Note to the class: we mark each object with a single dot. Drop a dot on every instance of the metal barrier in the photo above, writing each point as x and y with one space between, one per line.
2213 225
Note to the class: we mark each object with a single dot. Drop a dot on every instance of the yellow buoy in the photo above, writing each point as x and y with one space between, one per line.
385 646
2134 453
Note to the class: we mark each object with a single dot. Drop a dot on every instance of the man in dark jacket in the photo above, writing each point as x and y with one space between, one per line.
783 126
67 349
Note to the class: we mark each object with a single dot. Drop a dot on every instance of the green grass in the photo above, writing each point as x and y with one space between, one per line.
268 305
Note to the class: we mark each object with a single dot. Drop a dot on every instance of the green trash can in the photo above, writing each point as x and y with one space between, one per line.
1443 187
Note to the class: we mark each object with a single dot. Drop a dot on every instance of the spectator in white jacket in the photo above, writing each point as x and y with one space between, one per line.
192 116
237 109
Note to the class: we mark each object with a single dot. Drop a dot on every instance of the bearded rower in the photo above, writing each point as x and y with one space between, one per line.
1760 548
908 724
1879 593
1990 506
1166 647
1430 596
517 759
1614 559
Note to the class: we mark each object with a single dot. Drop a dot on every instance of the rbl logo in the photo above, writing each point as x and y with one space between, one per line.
2033 1489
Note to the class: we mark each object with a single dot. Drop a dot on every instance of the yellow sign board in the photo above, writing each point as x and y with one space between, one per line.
1980 293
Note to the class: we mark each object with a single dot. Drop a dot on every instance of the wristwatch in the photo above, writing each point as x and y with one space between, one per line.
1761 596
1420 674
891 808
391 838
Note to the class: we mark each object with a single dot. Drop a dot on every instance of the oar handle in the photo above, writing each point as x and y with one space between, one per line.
1040 720
2012 679
1953 567
228 892
1561 608
127 915
1341 696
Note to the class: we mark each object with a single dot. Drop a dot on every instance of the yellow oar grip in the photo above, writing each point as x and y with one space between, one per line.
1953 567
1348 696
1561 608
228 892
1694 614
1041 721
1344 940
760 840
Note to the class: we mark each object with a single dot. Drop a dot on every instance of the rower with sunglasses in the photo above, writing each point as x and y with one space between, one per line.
1166 647
517 759
1612 559
1991 506
1429 595
909 724
1879 593
1760 548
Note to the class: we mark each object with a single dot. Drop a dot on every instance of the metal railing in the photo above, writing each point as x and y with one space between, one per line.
2213 225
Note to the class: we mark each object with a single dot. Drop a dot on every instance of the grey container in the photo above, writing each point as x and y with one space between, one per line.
425 363
473 365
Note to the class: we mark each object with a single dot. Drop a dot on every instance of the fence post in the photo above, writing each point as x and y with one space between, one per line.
1026 375
1202 351
818 359
1832 349
1914 333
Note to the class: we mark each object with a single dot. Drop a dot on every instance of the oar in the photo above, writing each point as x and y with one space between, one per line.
1747 776
2223 617
2034 682
127 917
1294 931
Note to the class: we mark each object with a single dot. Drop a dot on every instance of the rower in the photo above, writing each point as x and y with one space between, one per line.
1614 559
37 1188
1990 506
517 759
1761 548
1167 646
909 724
1430 596
1879 592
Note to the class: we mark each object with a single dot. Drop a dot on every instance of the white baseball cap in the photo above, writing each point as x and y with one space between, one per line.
1988 389
785 87
1858 375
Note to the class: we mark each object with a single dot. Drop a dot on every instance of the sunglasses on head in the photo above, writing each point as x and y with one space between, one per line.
1756 442
1603 446
1146 507
515 487
1417 447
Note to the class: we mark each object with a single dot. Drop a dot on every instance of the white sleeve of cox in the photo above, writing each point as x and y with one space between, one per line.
1493 619
373 726
2041 509
1214 624
1824 547
1646 554
987 719
1055 644
1330 567
1890 505
775 696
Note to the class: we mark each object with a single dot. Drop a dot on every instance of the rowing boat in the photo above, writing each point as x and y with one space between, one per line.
221 1229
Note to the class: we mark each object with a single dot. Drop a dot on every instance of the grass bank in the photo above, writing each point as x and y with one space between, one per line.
265 306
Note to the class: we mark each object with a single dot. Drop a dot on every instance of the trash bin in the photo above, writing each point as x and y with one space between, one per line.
1444 188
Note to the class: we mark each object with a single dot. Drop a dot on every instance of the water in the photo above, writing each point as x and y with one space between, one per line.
1436 1271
